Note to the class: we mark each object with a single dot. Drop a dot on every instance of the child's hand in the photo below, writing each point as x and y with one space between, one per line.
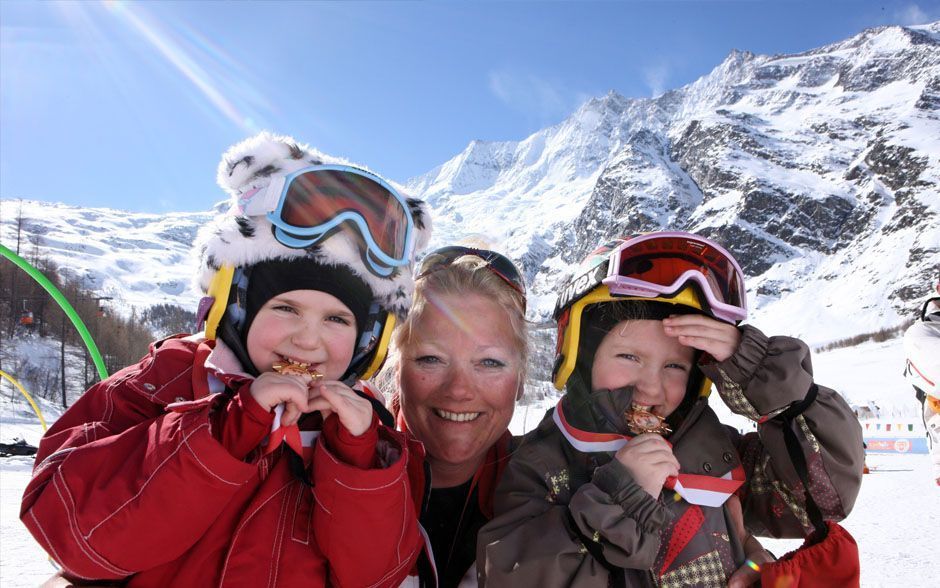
354 411
650 461
270 389
754 551
717 338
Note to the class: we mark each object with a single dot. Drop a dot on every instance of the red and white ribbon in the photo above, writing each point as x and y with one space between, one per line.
693 488
300 441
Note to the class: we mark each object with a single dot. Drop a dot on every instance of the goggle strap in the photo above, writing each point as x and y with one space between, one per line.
381 349
689 279
373 344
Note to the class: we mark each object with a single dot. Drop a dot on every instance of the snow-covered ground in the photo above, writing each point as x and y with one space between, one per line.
895 520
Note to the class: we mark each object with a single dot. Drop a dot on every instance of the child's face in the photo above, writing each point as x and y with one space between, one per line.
306 326
640 354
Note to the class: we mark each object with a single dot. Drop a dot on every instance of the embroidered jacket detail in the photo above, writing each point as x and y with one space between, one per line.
733 396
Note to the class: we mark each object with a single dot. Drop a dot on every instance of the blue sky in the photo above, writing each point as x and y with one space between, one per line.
130 105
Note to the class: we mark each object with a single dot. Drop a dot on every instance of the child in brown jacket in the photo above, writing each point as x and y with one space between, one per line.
632 480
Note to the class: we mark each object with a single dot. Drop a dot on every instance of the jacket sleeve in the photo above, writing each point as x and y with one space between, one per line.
120 485
540 538
365 520
760 381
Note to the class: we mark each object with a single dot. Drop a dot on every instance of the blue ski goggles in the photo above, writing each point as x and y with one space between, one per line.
310 204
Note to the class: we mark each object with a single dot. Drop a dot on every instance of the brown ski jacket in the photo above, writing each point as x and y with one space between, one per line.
569 518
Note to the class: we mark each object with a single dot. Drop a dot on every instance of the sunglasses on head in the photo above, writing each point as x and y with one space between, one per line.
309 204
495 262
662 264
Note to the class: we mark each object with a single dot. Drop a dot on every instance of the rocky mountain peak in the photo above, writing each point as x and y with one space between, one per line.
806 165
819 170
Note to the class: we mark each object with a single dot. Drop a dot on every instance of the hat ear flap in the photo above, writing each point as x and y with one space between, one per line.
219 291
381 348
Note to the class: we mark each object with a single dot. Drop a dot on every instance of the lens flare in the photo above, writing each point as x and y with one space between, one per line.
447 311
214 74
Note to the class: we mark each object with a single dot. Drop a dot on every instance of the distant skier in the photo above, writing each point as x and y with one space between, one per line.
922 348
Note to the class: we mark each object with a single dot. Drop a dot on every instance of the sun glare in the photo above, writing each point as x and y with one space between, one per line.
206 66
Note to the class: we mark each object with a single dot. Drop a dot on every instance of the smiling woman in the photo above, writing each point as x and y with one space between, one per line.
458 367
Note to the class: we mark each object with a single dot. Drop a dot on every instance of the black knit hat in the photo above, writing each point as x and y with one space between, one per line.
271 278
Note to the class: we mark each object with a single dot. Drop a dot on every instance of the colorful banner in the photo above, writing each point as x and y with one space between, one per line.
896 445
897 427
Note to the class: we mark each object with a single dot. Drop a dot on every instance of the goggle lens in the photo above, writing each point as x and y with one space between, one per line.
663 265
315 197
667 269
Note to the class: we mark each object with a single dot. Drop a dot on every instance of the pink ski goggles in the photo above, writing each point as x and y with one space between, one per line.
662 264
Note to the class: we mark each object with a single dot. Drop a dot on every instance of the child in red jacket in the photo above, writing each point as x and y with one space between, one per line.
244 455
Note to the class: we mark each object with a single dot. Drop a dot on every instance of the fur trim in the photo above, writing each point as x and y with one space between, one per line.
243 241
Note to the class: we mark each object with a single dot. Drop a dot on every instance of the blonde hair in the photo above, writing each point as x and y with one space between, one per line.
465 275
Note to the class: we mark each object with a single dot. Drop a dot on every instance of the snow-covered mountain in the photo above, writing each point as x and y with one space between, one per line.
820 171
138 259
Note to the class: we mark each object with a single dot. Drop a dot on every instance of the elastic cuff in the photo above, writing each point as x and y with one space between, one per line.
358 451
253 409
614 479
742 365
245 424
329 467
368 437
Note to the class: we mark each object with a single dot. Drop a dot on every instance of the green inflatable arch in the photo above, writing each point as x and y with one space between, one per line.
64 304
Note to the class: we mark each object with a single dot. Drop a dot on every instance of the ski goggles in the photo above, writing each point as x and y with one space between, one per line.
309 204
662 264
495 262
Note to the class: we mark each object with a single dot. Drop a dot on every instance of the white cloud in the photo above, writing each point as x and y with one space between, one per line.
655 77
912 14
532 95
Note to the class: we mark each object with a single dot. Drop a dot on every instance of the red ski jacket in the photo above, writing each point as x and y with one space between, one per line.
155 477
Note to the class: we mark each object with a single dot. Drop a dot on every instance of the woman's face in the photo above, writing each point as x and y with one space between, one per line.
459 378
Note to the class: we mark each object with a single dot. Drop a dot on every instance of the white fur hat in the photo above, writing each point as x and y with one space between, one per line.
241 241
